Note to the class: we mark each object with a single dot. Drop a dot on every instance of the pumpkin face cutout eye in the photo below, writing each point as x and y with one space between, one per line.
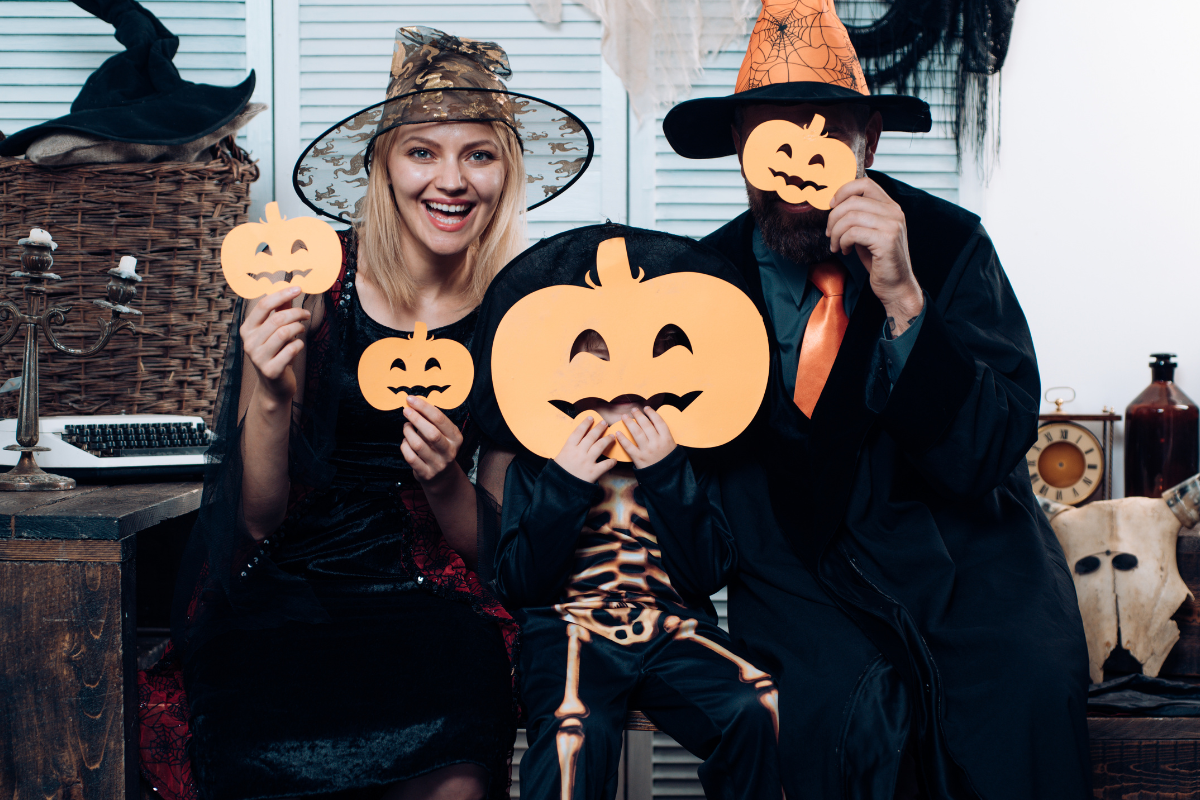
690 344
802 164
259 258
386 381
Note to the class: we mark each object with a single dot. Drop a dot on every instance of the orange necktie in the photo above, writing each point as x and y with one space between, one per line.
822 336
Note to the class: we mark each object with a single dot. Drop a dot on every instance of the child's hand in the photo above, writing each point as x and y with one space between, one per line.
584 446
651 437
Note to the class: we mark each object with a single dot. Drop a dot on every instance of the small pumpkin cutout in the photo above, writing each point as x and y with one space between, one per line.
440 370
259 258
707 386
799 163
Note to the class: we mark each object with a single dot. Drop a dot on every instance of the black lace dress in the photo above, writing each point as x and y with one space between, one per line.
407 671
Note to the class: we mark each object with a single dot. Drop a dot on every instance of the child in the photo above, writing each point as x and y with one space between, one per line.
609 569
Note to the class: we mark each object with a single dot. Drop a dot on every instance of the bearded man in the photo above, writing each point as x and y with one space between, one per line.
897 577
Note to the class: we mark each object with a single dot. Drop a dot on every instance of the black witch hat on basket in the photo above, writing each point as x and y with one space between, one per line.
436 77
138 98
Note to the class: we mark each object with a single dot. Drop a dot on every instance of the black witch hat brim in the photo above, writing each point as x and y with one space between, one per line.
169 118
700 128
330 176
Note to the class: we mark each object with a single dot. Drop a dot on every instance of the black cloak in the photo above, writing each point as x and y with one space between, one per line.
896 574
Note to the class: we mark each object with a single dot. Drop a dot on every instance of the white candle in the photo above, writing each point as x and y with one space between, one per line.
126 267
42 237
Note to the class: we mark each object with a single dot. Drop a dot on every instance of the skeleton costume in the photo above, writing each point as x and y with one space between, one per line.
610 581
352 648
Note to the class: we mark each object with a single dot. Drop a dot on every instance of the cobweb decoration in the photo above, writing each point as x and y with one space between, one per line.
796 35
658 47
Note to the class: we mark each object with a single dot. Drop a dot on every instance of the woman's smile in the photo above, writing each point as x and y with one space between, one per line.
449 215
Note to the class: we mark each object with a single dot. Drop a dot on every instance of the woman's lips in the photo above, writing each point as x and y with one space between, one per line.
449 217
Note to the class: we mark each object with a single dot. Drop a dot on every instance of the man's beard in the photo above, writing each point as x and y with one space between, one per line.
798 237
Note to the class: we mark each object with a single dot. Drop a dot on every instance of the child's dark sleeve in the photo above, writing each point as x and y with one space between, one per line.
544 511
685 512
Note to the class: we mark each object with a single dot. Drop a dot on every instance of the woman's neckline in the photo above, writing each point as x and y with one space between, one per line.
352 290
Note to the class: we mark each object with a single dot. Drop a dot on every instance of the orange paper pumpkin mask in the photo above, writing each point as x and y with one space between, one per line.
440 370
707 387
800 164
259 258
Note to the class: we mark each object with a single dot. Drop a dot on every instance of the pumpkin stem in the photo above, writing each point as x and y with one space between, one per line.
817 126
612 265
273 214
420 332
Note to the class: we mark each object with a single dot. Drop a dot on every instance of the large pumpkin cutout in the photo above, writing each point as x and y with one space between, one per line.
800 164
707 389
259 258
440 370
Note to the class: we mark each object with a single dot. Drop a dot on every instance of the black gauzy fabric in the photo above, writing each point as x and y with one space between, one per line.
565 259
138 95
350 648
915 39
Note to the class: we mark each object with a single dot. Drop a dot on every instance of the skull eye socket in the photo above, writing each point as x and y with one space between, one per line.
670 336
817 159
1125 561
399 362
1087 565
298 245
590 342
263 247
432 364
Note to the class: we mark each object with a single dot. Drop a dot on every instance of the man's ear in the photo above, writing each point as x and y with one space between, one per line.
874 129
737 144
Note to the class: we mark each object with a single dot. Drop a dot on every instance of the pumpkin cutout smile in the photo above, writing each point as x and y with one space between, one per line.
259 258
707 387
392 369
800 164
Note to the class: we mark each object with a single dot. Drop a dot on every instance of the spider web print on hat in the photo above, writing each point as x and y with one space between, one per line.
800 40
437 77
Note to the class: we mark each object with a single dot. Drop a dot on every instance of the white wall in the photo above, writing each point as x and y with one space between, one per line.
1094 204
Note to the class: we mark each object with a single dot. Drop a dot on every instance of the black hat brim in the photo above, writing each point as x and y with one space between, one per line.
184 114
700 128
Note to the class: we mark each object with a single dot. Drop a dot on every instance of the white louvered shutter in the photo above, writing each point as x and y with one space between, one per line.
49 47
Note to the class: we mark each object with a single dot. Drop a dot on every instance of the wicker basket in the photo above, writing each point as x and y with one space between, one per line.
171 217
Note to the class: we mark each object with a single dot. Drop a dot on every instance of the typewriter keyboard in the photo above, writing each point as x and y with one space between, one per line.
139 438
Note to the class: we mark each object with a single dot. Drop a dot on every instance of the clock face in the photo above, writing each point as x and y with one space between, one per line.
1066 463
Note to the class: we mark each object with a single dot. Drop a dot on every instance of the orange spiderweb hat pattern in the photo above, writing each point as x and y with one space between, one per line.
800 40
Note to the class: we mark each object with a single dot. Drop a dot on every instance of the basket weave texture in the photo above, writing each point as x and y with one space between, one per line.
171 217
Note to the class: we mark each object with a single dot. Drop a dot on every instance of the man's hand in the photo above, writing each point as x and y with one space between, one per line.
652 440
863 217
579 456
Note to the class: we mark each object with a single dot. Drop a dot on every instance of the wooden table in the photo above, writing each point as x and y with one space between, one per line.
68 682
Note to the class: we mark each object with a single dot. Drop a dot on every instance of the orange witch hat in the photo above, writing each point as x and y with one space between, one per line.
799 52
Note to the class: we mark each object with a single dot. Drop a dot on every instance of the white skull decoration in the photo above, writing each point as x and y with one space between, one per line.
1121 554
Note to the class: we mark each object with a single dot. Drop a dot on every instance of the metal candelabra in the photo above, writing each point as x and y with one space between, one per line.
37 258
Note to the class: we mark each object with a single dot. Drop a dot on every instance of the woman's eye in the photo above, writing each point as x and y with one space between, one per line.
421 153
481 155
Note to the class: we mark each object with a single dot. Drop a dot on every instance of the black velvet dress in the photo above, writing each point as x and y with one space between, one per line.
407 672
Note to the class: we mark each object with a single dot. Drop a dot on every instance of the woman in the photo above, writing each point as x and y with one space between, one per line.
335 637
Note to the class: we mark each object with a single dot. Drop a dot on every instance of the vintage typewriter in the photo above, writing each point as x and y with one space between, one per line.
101 448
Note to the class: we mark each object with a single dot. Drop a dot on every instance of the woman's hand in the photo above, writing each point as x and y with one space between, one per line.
652 440
272 336
579 456
431 442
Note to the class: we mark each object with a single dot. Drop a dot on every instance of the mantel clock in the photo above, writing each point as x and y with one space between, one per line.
1068 463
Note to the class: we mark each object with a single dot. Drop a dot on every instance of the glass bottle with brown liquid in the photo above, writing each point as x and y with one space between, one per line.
1162 434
